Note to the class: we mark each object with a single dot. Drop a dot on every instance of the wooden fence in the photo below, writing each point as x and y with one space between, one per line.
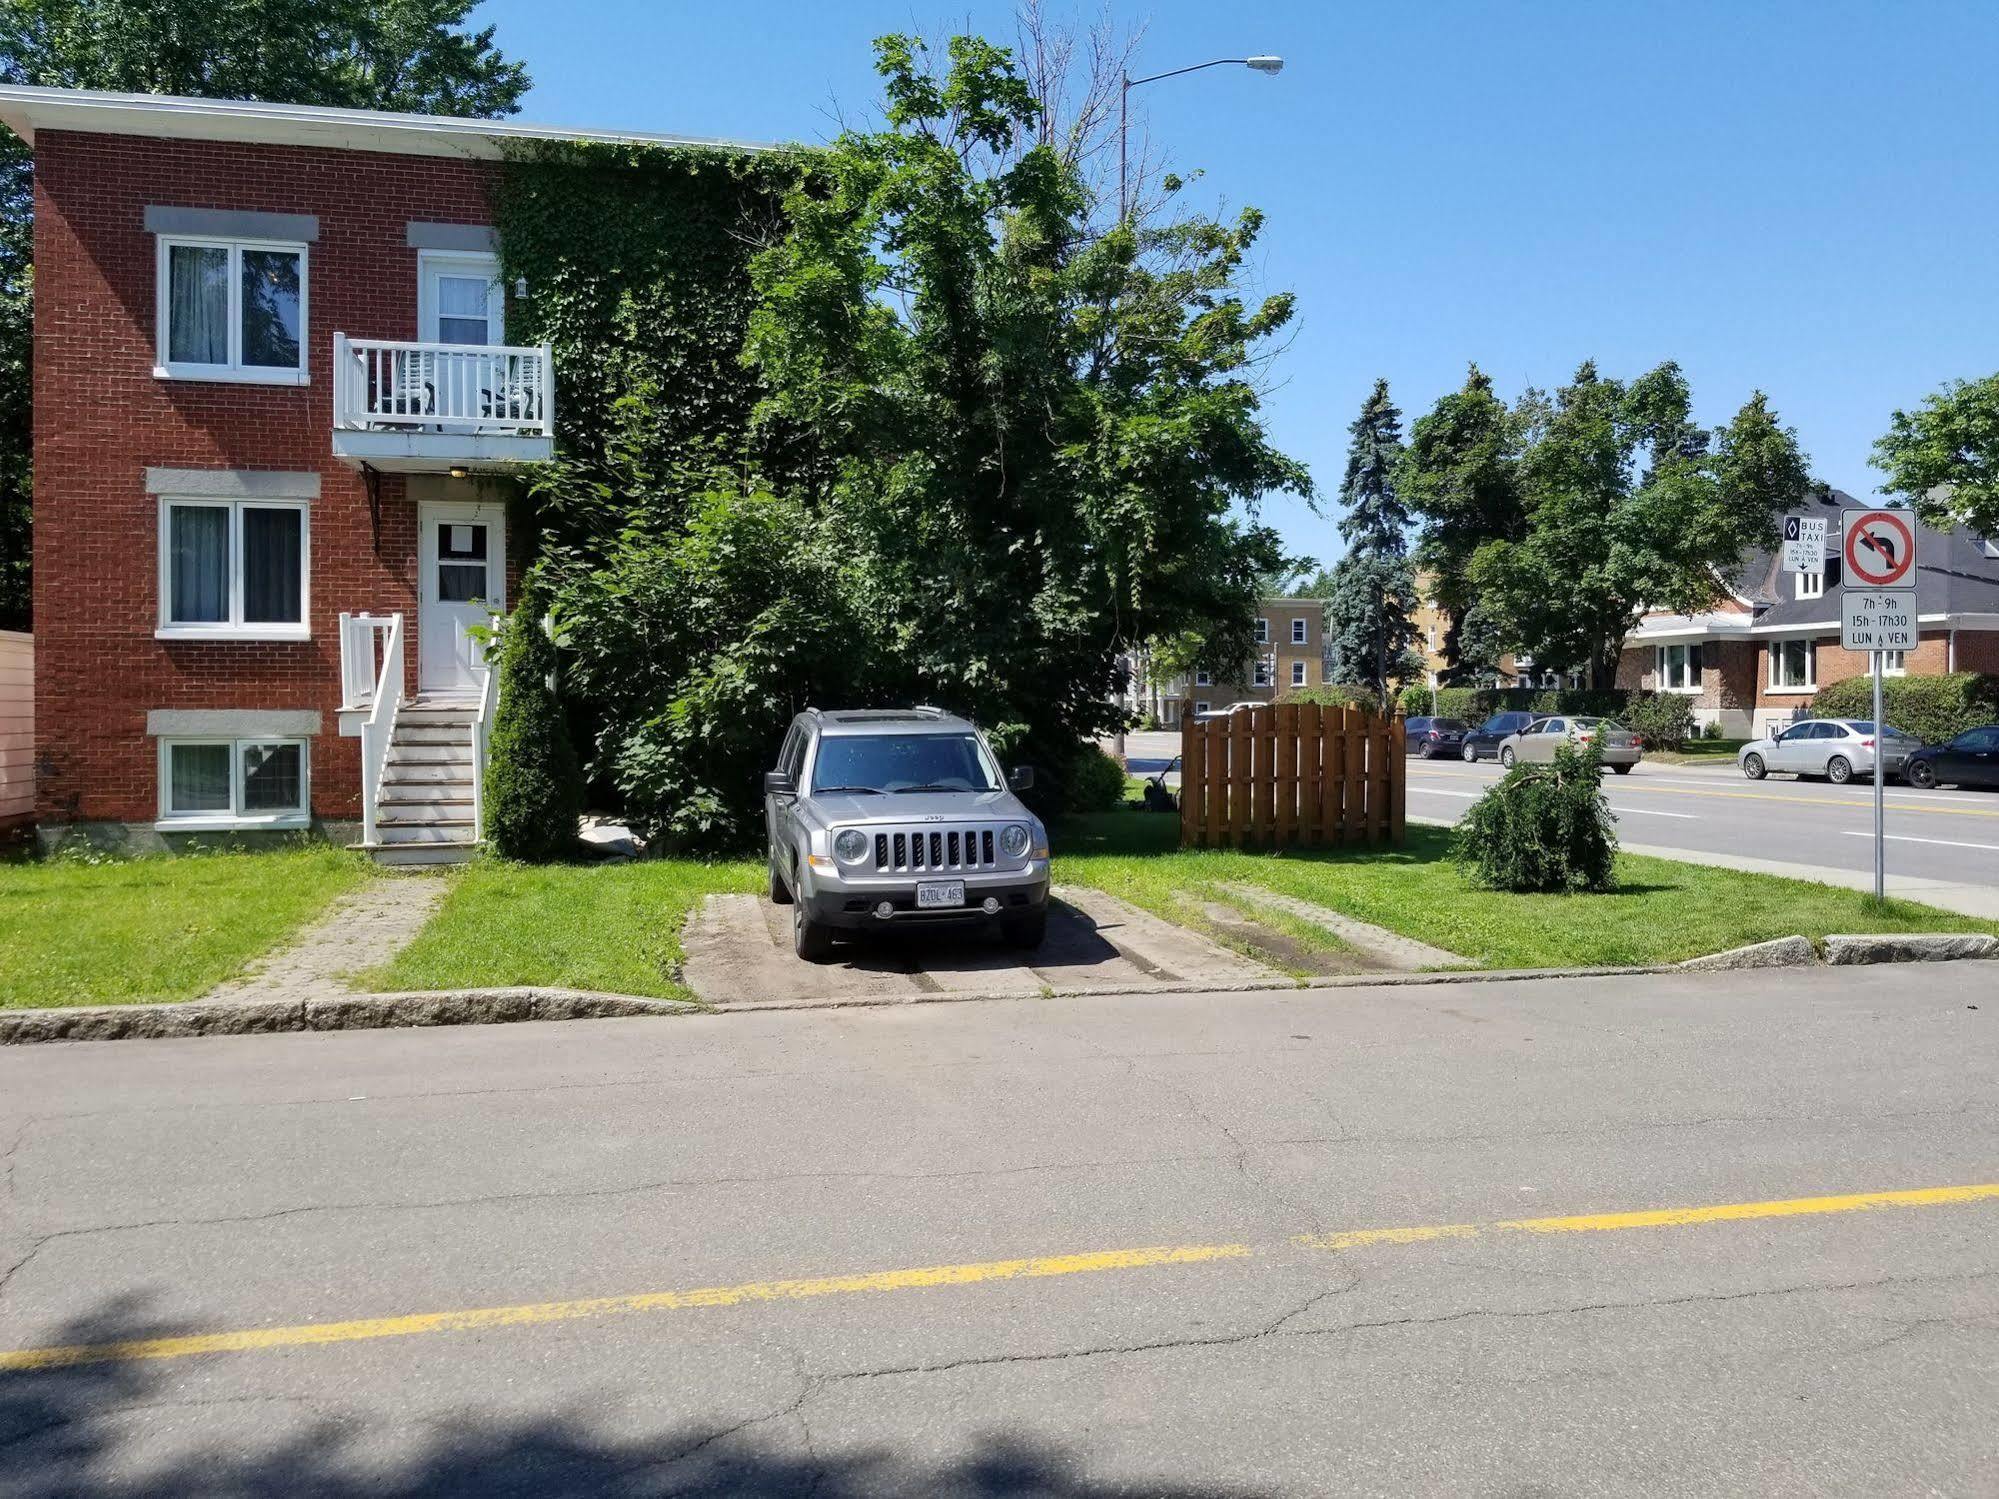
17 727
1291 775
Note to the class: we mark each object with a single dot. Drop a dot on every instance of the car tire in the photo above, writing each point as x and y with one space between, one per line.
1754 768
1471 754
1426 751
1839 770
811 940
1506 757
780 893
1922 775
1623 770
1027 931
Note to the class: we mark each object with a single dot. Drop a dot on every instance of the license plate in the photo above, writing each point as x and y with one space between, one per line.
939 894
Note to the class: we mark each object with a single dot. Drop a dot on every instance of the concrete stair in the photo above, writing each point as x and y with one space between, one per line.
424 812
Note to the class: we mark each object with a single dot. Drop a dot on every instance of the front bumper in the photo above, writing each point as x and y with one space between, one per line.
852 903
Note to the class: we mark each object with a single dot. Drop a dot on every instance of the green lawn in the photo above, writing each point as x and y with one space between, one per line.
120 931
613 927
1697 752
1663 911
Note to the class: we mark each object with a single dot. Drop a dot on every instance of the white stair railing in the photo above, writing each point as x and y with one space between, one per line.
386 698
361 639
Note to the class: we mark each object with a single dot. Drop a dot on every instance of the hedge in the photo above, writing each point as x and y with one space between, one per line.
1933 708
1344 695
1665 719
534 786
1477 704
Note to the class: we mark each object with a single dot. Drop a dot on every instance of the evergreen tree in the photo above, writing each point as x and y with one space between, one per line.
534 787
1368 631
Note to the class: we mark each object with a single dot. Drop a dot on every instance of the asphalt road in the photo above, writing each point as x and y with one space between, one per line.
1292 1243
1940 835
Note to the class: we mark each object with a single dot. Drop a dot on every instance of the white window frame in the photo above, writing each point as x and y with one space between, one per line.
1894 663
233 628
1811 585
1299 628
1262 630
433 263
208 821
1298 674
1202 708
235 369
1687 680
1775 653
1262 675
1204 679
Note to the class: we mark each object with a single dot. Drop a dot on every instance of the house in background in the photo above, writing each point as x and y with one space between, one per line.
1290 654
1758 655
278 420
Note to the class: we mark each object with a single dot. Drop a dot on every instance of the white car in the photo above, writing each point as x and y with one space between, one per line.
1837 748
1536 744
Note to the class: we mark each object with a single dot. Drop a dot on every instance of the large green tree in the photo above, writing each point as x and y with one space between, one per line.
993 449
1943 457
1369 636
411 55
1460 477
1631 506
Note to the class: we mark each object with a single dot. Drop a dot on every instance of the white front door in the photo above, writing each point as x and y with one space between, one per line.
462 561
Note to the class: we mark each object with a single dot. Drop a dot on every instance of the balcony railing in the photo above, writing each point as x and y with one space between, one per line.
383 385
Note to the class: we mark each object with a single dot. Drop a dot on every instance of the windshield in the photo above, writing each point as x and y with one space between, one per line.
902 762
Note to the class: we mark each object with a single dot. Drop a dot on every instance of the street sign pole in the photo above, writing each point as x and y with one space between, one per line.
1880 798
1877 611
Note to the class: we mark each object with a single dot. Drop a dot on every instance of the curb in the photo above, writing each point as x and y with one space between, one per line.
146 1022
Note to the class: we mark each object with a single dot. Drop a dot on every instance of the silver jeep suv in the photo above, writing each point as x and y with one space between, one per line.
884 816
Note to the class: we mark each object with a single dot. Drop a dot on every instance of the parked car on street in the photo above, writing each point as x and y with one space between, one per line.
1430 737
1837 748
883 817
1971 759
1483 742
1536 744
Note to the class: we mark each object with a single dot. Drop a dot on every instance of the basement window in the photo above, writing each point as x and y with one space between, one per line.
234 783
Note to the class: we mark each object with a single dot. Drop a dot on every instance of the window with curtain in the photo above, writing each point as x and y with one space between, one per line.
233 567
1793 663
232 310
462 315
234 780
1680 668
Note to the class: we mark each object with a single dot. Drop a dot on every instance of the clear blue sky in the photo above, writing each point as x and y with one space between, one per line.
1799 196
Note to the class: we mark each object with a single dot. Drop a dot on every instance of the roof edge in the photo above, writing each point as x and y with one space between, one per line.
26 109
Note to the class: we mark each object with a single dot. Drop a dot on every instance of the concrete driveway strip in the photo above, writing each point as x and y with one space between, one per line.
1787 1337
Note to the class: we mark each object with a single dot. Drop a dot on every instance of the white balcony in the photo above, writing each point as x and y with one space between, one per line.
409 408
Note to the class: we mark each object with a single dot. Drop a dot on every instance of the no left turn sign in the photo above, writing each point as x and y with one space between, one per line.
1880 548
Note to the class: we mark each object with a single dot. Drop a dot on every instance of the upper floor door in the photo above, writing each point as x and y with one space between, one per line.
459 299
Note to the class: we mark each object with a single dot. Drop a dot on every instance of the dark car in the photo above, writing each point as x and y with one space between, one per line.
1482 743
1431 737
1971 759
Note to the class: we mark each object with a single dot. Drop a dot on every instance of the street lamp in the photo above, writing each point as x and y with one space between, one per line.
1260 64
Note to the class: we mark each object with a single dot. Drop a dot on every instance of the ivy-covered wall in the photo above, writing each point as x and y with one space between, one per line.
636 261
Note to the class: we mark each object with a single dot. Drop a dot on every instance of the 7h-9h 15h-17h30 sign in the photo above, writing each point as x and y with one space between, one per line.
1877 591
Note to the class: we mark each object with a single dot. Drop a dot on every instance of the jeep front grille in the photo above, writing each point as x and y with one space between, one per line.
926 849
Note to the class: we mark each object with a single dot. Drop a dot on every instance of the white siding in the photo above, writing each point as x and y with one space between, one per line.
17 725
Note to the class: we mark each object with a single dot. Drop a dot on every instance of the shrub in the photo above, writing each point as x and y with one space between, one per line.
534 788
1093 782
1934 708
1665 719
1542 828
1711 729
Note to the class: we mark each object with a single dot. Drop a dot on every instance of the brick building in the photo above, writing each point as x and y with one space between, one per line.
1290 655
277 424
1756 658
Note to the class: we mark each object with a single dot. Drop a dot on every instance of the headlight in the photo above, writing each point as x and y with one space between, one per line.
851 846
1013 840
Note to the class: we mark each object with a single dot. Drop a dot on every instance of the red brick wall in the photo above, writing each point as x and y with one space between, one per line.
101 419
1930 658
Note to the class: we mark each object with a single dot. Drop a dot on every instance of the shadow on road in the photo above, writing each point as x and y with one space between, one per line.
83 1432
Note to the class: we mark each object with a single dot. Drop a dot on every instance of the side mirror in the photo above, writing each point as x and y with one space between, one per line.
777 783
1020 778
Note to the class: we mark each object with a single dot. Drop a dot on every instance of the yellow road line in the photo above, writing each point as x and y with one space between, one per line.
1789 801
1727 1212
929 1276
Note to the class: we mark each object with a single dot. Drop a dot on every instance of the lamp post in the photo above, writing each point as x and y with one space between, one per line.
1262 64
